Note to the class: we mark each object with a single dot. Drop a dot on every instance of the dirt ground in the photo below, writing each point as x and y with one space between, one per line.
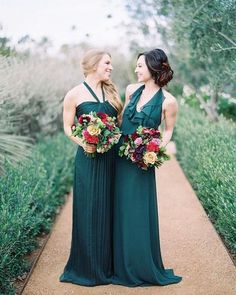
189 243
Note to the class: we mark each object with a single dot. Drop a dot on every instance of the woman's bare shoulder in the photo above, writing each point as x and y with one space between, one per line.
169 98
72 95
170 103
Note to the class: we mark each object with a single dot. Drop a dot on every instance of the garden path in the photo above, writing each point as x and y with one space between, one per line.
189 242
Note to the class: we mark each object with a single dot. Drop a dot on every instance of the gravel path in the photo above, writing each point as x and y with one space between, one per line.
190 245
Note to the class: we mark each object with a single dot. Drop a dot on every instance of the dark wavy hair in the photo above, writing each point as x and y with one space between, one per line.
158 66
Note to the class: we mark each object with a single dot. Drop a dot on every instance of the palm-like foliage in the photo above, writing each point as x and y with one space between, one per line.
31 92
13 148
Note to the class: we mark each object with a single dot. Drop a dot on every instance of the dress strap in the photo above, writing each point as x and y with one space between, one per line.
103 95
138 91
93 93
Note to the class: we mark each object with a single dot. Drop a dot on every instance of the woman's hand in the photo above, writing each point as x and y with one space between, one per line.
89 148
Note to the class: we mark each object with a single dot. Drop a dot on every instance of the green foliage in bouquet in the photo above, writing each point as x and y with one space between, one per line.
98 129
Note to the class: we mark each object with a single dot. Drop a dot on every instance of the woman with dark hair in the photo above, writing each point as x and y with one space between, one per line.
137 254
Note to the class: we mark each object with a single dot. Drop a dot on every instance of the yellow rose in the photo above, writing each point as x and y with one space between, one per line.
93 130
149 158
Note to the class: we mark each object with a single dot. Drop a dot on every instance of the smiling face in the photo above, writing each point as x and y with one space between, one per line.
104 68
142 71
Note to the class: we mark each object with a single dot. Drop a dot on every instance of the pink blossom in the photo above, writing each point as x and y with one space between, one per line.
138 141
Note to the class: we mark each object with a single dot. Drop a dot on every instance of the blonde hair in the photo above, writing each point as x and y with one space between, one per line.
89 62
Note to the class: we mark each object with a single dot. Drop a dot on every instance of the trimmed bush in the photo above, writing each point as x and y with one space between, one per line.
206 152
29 197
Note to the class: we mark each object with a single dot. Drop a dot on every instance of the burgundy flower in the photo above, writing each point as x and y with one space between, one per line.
137 156
138 153
140 149
84 119
134 135
154 132
110 127
157 133
126 137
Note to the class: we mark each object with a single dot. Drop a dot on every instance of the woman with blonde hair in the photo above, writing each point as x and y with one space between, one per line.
90 261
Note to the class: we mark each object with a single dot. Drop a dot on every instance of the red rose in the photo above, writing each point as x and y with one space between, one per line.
90 138
102 116
152 147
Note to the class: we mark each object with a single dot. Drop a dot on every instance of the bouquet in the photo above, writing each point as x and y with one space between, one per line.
143 147
98 129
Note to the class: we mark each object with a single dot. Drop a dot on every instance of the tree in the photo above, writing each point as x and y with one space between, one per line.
201 35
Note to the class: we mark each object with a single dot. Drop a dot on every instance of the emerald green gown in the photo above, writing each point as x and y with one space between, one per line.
137 253
90 260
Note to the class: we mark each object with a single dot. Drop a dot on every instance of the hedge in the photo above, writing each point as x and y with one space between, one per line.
29 197
206 152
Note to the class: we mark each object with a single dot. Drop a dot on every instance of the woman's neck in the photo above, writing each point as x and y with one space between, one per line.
93 82
151 86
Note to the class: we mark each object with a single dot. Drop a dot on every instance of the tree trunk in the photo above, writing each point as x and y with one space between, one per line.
210 107
213 104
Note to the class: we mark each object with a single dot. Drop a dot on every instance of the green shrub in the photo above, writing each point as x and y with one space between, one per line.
176 88
29 197
227 108
206 152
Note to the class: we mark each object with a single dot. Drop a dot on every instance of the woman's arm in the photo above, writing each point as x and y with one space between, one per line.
69 109
170 115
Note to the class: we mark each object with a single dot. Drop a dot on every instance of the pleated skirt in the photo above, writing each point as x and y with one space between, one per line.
90 260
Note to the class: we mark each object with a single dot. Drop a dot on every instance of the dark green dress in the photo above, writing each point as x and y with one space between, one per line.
90 261
137 254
